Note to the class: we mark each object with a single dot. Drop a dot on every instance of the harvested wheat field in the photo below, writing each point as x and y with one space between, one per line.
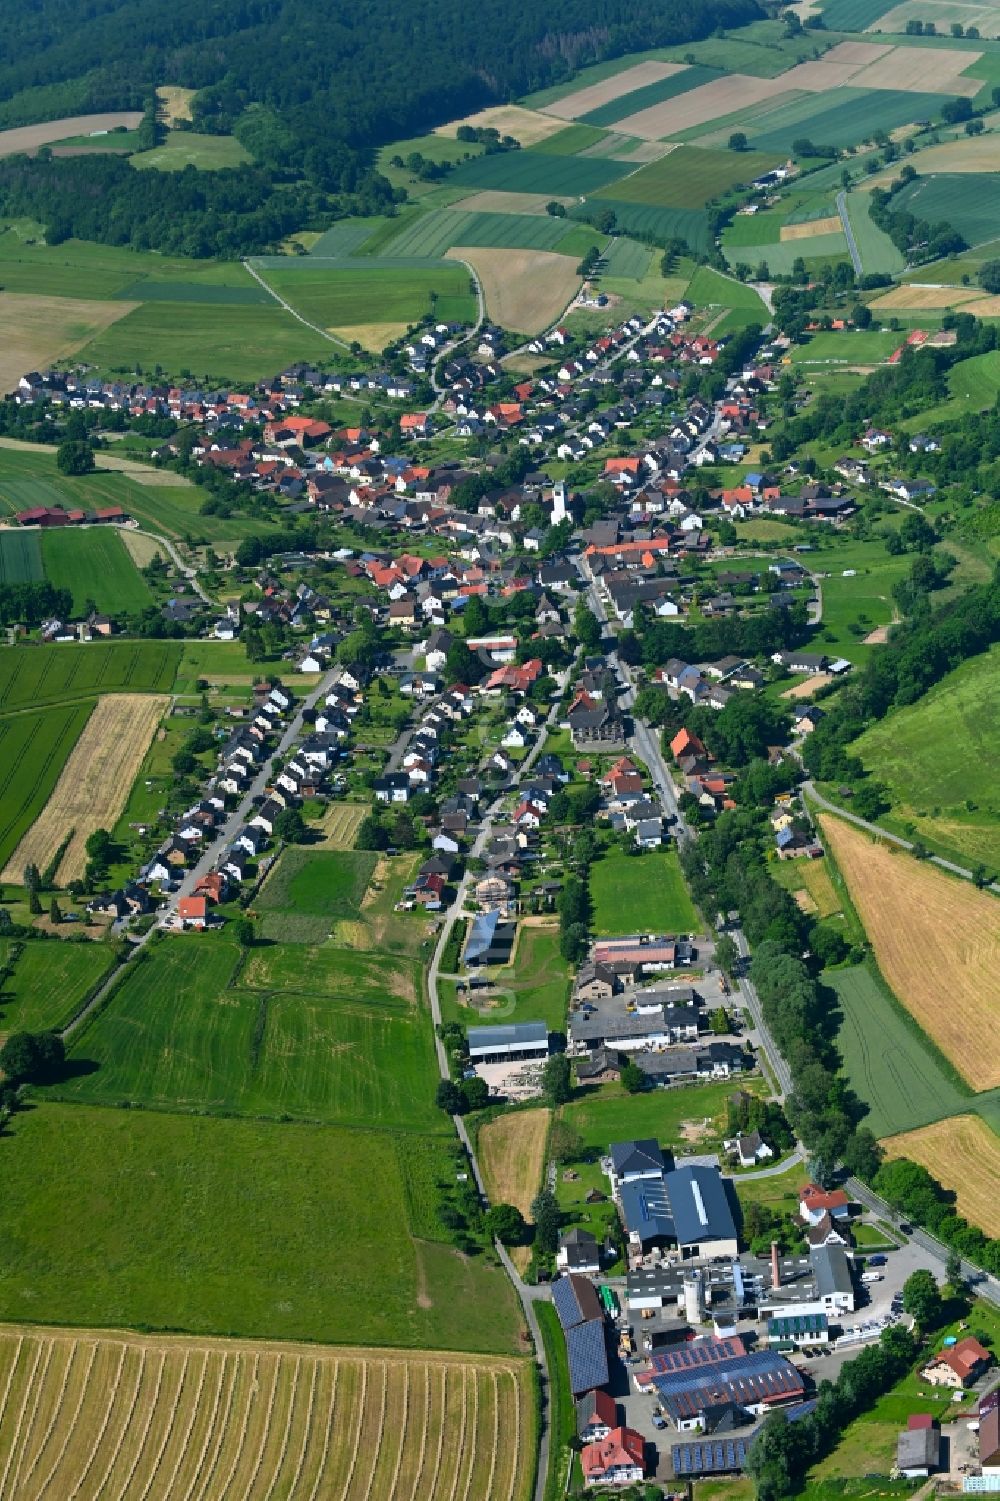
967 154
810 227
817 77
525 290
525 125
495 201
119 1417
512 1156
341 823
141 547
723 96
809 687
924 297
920 70
38 331
937 942
93 786
610 89
371 336
861 53
963 1154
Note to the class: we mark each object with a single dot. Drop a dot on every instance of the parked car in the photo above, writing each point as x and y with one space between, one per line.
878 1260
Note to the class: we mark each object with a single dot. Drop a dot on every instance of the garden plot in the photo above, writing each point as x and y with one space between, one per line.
573 106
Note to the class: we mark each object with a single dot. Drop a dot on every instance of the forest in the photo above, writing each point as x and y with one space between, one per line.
310 89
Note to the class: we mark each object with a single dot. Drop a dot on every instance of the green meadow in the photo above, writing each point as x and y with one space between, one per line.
348 296
33 750
640 894
48 982
94 565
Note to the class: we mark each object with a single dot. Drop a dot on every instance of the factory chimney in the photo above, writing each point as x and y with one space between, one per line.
775 1267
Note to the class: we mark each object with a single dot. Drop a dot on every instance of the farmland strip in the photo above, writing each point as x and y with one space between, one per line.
140 1447
475 1435
461 1437
279 1463
108 1410
379 1428
444 1414
331 1412
423 1435
357 1430
168 1427
36 1405
10 1379
223 1427
71 1429
20 1419
515 1467
496 1434
187 1432
307 1430
266 1429
252 1389
211 1425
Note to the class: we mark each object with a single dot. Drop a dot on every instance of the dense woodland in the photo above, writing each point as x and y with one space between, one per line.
310 89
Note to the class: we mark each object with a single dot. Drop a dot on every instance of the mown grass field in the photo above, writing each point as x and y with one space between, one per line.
878 253
232 1227
224 344
340 298
176 1036
186 148
81 268
511 1152
47 983
34 676
20 558
535 987
685 1118
434 234
640 894
936 940
94 565
90 1415
914 752
709 289
33 750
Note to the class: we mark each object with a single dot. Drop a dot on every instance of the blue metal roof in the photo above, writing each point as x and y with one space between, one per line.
699 1205
587 1353
709 1457
646 1209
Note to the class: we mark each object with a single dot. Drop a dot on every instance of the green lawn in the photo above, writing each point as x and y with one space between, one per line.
118 1218
186 148
854 605
849 347
20 557
33 751
47 984
94 565
534 988
969 201
309 890
889 1063
176 1036
878 253
915 752
640 894
709 288
609 1114
974 385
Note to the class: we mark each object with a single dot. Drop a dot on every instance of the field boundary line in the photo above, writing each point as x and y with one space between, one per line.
76 1418
102 1430
330 1413
252 1389
323 333
145 1432
496 1434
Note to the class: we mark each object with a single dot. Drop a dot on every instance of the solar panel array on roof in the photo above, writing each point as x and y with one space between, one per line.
749 1381
710 1457
587 1353
575 1300
700 1353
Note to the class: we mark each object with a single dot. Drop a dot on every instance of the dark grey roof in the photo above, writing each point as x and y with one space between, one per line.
575 1301
512 1034
708 1456
646 1209
636 1156
699 1205
832 1270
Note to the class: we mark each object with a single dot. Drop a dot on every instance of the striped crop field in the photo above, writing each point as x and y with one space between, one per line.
34 749
20 558
31 676
86 1416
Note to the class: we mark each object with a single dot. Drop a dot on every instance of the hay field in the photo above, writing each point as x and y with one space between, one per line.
525 125
134 469
341 823
942 13
920 70
141 547
963 1154
610 89
937 942
93 1417
94 784
724 96
525 290
512 1156
38 331
30 137
497 201
809 228
861 53
924 298
371 336
967 154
